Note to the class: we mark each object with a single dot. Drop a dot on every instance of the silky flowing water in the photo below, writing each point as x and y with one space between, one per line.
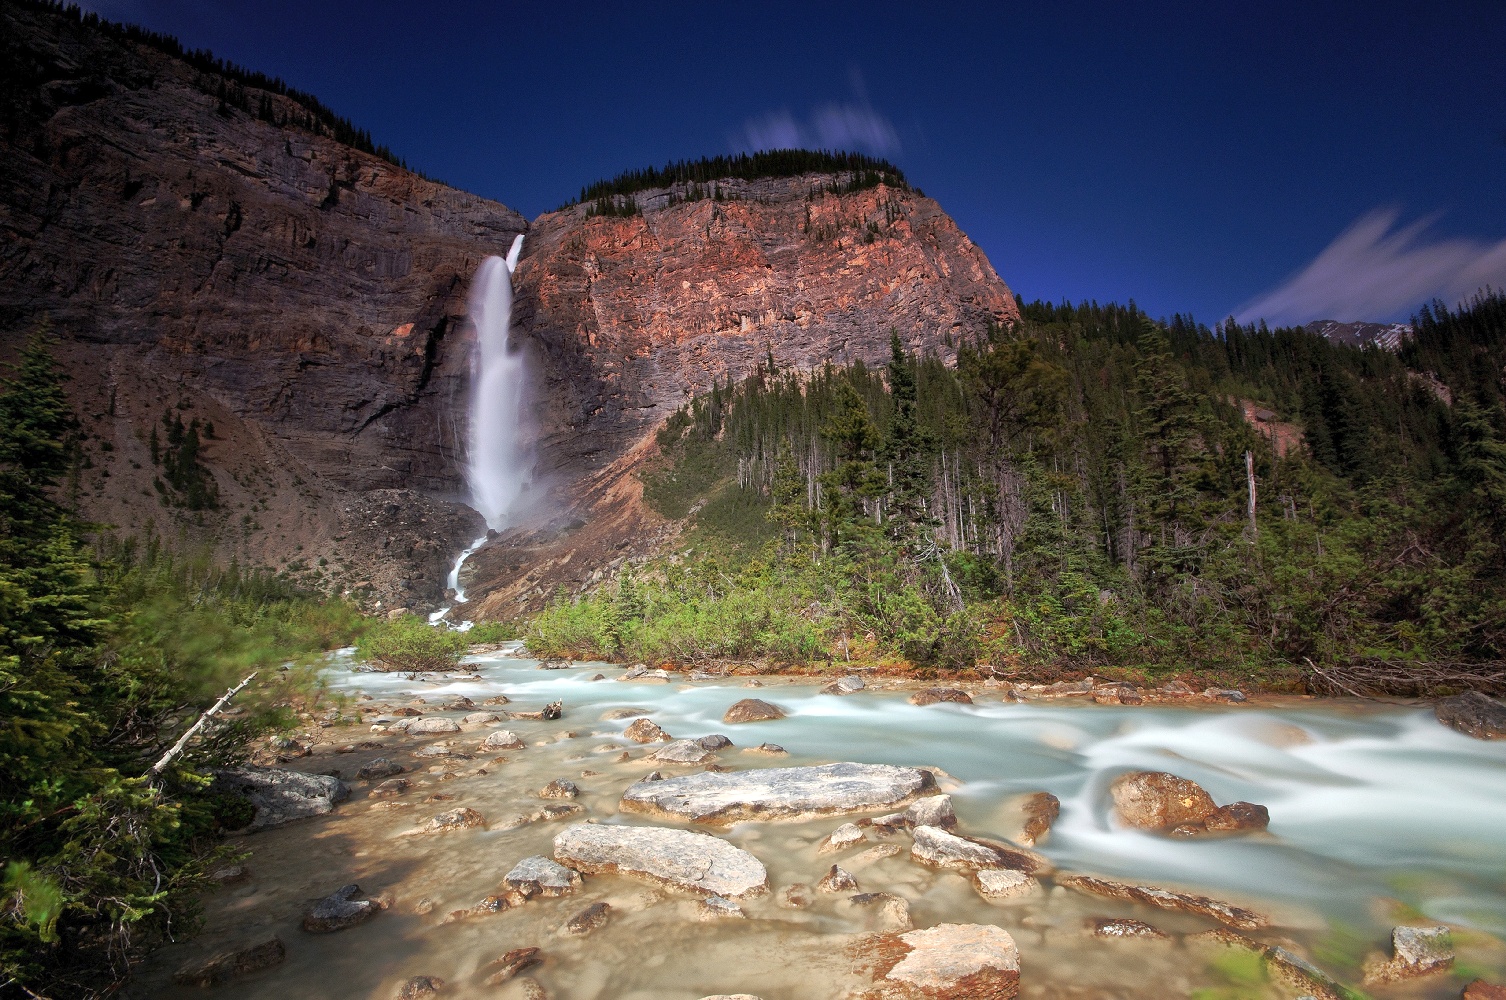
1379 816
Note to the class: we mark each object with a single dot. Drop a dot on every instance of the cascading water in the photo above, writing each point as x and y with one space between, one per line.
500 464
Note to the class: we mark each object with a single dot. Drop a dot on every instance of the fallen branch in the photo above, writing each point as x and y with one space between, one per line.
1371 676
177 747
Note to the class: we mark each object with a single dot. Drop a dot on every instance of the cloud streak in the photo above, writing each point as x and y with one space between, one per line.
1377 270
844 125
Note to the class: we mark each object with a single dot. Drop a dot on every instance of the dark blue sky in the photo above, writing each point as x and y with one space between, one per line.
1194 158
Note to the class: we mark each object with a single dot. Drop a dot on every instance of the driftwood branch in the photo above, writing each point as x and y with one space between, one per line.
177 747
1371 676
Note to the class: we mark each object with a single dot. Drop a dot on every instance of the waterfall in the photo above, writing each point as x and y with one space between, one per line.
500 453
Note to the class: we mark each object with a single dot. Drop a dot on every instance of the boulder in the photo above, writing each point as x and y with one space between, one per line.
559 788
719 908
753 710
1041 810
893 910
1416 951
339 910
940 849
481 718
933 810
778 793
1155 800
591 918
420 988
836 880
679 858
1481 990
502 739
432 724
932 696
683 752
716 741
391 788
644 731
851 684
541 876
1473 714
950 960
282 796
226 965
1166 899
379 769
1003 883
512 963
842 838
454 819
1122 927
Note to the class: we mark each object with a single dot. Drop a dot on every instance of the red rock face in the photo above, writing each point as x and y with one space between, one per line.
309 300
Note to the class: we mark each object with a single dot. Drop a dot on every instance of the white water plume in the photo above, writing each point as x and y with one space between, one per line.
500 462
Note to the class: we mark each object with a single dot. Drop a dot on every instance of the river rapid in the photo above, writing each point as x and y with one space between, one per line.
1379 816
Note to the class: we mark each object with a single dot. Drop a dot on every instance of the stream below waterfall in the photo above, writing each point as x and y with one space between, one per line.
1379 816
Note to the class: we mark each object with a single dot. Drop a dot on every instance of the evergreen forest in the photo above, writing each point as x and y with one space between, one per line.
1075 496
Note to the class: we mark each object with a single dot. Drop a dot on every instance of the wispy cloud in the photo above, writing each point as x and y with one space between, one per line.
1377 270
831 126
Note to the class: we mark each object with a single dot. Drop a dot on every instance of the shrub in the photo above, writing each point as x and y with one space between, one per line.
410 643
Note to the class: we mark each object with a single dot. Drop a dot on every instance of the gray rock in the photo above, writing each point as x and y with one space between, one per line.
431 724
227 965
893 910
282 796
716 741
540 876
644 731
339 910
378 769
463 818
933 810
842 838
679 858
768 750
933 696
502 739
1122 927
391 788
683 752
1166 899
420 988
1416 951
614 714
481 718
1003 883
778 793
955 960
752 710
1473 714
938 848
844 685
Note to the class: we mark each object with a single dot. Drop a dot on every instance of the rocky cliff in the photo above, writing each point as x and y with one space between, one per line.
230 261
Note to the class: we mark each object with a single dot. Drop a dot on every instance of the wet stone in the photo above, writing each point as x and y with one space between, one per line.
955 960
644 731
282 796
1166 899
938 695
541 876
338 911
391 788
1041 811
752 710
716 741
893 911
432 725
683 752
420 987
591 918
227 965
512 963
768 750
778 793
463 818
1004 883
379 768
933 810
615 714
940 849
1120 927
1416 951
1481 990
1238 817
795 896
502 739
1473 714
679 858
851 684
719 908
559 788
481 718
842 838
836 880
1155 800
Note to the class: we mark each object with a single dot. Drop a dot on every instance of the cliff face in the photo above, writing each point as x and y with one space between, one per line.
308 300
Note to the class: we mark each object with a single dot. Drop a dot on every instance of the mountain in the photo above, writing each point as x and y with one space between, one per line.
222 253
1388 336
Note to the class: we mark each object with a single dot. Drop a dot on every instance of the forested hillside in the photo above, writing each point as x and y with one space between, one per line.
1075 494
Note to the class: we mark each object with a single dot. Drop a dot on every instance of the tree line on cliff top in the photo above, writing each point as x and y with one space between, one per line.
1074 494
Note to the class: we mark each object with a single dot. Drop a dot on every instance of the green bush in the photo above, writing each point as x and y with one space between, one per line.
410 643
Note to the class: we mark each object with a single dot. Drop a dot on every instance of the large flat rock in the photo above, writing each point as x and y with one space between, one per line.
778 792
680 858
282 796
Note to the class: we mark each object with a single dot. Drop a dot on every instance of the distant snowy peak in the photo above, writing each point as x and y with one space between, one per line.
1388 336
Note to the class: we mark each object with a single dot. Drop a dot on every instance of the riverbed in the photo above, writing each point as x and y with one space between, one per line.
1379 816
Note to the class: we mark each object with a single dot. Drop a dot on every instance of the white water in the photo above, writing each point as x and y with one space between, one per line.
500 459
